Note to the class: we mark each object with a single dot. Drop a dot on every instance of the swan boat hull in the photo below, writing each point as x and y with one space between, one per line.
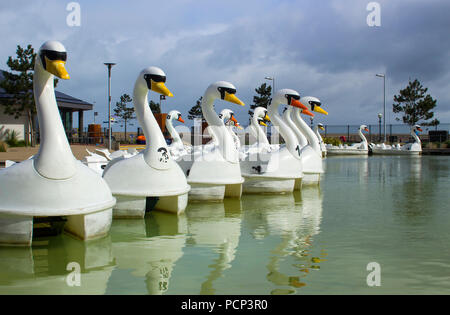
347 151
84 200
211 177
171 194
394 152
271 173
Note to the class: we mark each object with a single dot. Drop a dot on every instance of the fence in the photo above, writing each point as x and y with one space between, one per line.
394 132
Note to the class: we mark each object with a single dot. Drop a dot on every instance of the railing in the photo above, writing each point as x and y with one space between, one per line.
394 133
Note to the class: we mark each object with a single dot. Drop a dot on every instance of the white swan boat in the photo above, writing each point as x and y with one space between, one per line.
177 148
52 183
152 172
361 148
261 144
414 148
310 153
276 171
323 146
213 171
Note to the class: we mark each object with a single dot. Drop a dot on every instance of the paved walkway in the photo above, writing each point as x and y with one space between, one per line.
23 153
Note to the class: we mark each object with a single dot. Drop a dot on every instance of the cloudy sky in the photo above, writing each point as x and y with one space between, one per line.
320 48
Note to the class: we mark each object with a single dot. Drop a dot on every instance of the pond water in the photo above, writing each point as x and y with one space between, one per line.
390 210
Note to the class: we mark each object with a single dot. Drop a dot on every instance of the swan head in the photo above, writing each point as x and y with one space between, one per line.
227 115
291 98
321 127
417 128
261 115
364 127
223 90
174 114
153 78
52 57
313 104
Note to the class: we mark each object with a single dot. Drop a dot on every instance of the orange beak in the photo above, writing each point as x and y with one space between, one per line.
366 129
181 119
296 103
420 129
307 112
234 120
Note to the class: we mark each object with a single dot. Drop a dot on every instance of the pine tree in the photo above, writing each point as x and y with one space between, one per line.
123 112
155 107
196 110
20 87
415 105
263 98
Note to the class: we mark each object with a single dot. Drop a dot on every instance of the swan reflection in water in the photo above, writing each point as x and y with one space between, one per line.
42 269
150 248
295 219
216 225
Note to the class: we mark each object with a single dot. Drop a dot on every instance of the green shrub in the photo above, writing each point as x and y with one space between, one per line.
12 139
332 141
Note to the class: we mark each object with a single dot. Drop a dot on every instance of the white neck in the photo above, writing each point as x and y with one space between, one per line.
259 134
287 118
225 140
288 135
414 135
233 134
319 136
306 130
363 138
176 140
54 159
153 135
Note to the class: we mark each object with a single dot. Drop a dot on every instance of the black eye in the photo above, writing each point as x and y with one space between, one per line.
289 97
222 91
54 55
314 104
155 77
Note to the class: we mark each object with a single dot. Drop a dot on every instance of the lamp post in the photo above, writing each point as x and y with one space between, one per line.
273 83
109 65
380 115
382 75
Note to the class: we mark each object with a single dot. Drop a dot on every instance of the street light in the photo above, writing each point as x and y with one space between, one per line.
380 115
273 83
109 65
382 75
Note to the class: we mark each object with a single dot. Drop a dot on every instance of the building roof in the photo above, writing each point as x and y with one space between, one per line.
63 100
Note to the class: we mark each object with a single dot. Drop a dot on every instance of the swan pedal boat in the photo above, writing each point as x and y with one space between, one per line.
361 148
310 151
52 183
213 170
152 173
414 148
277 171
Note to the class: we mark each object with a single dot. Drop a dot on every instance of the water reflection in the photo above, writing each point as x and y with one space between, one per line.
150 248
41 269
215 225
295 219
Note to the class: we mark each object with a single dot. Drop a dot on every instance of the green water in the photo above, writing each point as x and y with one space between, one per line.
389 210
